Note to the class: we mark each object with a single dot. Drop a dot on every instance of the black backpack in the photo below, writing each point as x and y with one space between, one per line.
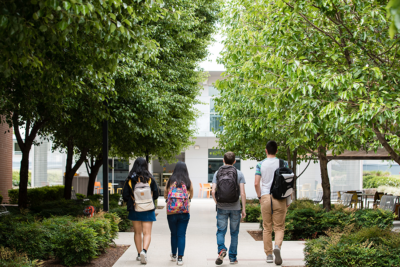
227 190
282 186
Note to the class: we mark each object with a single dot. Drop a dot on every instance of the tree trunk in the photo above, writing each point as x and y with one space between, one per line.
94 170
23 180
69 170
26 147
326 187
381 137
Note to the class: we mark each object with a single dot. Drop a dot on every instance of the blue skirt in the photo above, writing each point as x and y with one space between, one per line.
144 216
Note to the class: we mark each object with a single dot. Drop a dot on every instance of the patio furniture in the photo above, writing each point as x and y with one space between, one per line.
319 188
377 199
111 188
346 199
388 202
3 211
305 189
318 199
206 188
97 187
355 199
339 197
200 190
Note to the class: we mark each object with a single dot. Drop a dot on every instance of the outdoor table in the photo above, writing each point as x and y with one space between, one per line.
366 198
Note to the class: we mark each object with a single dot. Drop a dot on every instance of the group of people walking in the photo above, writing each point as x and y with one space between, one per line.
140 191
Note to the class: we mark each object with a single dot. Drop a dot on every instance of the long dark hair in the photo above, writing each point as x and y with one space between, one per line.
180 175
140 169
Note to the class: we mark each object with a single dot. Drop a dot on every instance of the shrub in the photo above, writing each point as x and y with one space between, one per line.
38 195
62 207
75 243
304 220
389 190
367 247
372 181
122 213
12 258
253 212
80 196
95 197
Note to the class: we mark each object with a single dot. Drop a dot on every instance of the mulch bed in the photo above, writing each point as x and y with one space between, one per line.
133 230
256 234
107 259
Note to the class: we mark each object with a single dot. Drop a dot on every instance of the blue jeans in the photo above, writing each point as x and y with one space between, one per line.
222 225
178 224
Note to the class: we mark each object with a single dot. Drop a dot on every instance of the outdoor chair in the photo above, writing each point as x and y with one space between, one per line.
335 196
200 191
305 189
318 199
377 199
346 199
73 197
206 188
97 187
120 186
355 200
110 188
319 188
388 202
3 211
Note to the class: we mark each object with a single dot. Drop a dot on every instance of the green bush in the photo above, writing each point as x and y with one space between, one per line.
16 179
305 220
253 212
75 243
80 196
367 247
122 213
12 258
95 197
39 195
62 207
374 181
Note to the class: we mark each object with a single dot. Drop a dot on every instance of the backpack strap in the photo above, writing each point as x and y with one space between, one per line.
130 185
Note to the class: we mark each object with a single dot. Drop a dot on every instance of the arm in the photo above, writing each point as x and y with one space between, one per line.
166 192
154 188
214 186
257 185
243 195
191 191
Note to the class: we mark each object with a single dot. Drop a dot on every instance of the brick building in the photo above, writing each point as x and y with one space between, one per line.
6 152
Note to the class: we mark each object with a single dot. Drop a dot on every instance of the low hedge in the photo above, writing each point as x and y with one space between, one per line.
122 213
305 220
373 181
72 240
39 195
366 247
62 207
12 258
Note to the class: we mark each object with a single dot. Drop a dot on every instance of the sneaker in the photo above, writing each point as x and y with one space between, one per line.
143 257
173 258
277 253
233 261
270 258
138 258
180 261
221 256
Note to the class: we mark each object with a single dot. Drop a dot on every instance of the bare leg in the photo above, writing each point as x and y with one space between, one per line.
147 234
137 225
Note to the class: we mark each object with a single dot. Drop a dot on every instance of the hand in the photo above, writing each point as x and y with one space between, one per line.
243 214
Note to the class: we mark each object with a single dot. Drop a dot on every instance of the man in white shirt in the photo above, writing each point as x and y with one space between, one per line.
263 181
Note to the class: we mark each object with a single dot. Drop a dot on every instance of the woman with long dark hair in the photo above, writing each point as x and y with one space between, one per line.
178 192
143 220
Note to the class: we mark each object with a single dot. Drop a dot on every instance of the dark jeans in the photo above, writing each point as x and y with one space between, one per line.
178 224
222 225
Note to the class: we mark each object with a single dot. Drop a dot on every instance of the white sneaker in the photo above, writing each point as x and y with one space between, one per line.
143 257
277 253
180 261
173 258
138 258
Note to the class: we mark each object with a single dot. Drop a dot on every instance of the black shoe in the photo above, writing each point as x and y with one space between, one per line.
221 257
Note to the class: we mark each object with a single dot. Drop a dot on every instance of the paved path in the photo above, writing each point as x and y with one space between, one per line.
201 245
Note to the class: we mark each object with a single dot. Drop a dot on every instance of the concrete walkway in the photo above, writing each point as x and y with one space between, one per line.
201 244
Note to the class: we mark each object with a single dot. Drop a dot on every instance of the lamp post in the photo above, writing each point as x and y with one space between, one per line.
105 165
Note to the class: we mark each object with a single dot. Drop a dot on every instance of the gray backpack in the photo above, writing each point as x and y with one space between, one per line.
143 196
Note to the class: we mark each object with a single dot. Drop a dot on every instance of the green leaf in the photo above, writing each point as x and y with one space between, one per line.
35 16
3 21
112 27
66 5
43 28
62 25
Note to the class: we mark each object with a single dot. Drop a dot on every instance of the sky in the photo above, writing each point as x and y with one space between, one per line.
211 63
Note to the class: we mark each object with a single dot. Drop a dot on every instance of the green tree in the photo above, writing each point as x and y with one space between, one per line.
49 50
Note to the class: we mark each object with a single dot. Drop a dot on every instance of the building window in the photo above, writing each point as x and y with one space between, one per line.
215 157
214 118
212 91
17 149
